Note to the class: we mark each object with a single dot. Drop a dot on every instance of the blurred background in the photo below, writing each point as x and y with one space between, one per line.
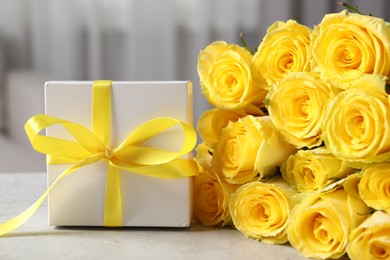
43 40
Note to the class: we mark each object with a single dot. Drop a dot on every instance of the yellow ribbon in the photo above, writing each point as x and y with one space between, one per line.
92 146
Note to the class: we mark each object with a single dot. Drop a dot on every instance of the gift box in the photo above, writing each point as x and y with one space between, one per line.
79 198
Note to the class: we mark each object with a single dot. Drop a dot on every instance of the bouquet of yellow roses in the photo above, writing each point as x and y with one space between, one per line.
297 146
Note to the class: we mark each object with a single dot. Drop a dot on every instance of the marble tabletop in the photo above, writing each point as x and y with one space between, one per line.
36 240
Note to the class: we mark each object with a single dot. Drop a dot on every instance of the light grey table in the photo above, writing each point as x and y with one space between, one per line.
36 240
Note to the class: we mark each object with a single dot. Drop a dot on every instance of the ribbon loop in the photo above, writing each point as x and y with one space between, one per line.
86 142
131 151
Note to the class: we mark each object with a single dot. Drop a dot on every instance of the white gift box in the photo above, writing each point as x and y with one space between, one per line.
79 198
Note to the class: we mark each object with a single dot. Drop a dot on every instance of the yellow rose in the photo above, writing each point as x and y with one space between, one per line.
297 104
225 77
284 49
211 199
357 125
374 187
371 239
350 185
211 123
318 227
203 157
260 210
311 170
273 150
249 147
346 45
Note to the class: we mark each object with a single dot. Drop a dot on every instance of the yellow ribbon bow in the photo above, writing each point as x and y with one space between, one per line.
92 146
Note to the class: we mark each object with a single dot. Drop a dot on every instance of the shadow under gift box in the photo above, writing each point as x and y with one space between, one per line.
79 198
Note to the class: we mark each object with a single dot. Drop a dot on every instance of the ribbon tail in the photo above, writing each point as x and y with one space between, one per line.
113 204
19 220
23 217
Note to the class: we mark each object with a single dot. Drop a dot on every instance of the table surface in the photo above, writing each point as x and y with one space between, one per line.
36 240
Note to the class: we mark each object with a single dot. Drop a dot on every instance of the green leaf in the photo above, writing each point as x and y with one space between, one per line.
245 44
350 7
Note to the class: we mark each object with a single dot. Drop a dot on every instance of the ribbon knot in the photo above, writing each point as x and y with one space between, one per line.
108 154
92 145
